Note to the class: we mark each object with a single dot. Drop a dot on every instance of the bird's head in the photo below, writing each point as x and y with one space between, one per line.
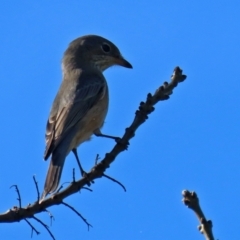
94 51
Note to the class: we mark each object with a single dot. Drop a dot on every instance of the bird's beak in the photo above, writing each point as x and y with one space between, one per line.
122 62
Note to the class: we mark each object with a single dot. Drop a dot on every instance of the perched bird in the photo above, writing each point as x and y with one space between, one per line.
81 104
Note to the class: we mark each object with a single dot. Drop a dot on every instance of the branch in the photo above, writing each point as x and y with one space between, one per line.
116 181
45 226
32 228
51 216
80 215
19 196
191 200
36 185
16 214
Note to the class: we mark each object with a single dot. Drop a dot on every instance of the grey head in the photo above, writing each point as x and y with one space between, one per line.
93 51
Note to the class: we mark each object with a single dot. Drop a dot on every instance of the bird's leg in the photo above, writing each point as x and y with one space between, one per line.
98 133
83 173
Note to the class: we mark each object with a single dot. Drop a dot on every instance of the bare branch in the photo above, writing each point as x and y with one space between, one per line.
45 226
190 199
74 180
96 159
116 181
86 188
79 214
32 228
50 215
61 187
36 185
162 93
18 193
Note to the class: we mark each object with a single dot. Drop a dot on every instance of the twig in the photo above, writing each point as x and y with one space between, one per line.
50 215
45 226
116 181
86 188
79 214
36 185
18 193
190 199
32 227
74 180
96 159
61 187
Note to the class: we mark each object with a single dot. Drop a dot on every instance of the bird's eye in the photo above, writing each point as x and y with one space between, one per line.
106 48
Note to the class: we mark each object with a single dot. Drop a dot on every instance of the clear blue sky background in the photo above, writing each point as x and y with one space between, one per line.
189 142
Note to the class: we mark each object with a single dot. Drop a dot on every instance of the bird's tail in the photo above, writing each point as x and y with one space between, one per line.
53 175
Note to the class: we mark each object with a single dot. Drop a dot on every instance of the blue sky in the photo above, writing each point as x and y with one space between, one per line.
189 142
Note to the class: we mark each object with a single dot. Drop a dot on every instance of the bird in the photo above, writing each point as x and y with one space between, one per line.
81 103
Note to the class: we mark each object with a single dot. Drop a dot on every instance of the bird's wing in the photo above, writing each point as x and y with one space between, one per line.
86 93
